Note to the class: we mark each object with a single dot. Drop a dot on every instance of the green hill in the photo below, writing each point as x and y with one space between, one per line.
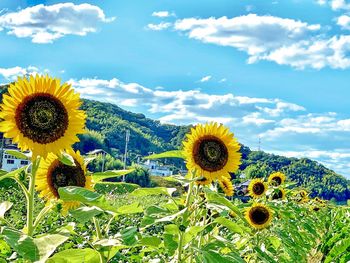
107 124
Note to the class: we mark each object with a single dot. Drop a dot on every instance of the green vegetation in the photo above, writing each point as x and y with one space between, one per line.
107 124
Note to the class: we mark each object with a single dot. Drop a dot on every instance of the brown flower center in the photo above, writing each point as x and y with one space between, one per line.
210 153
277 194
259 215
258 188
276 180
62 175
42 118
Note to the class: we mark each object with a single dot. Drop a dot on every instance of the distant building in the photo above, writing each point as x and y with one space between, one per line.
156 169
242 188
10 162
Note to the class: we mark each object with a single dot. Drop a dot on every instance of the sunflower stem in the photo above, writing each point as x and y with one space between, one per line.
41 215
30 198
97 228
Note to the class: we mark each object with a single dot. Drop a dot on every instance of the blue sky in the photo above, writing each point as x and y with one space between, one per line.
278 70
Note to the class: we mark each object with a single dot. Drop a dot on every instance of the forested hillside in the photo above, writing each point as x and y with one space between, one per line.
107 124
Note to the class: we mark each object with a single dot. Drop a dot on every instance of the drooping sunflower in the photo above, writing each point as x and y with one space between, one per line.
259 216
53 174
41 115
226 186
302 196
203 181
278 194
212 151
276 178
257 188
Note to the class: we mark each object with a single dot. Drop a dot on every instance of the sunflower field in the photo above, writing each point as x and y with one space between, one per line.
55 210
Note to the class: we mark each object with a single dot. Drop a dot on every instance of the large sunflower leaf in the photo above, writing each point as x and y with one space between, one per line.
18 154
169 154
75 256
12 174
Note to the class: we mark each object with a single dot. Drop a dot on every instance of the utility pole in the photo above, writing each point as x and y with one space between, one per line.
259 144
127 138
103 161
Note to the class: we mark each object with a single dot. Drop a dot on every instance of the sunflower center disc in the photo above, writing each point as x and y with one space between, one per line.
277 180
259 215
258 188
42 118
277 195
61 175
210 153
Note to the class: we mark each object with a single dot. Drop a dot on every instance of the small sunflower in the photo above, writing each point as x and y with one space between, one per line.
53 174
276 178
41 115
259 216
257 188
203 181
212 151
278 194
302 196
315 208
226 186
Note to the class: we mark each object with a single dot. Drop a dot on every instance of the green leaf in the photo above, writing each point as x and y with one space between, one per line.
150 241
86 213
4 207
14 173
191 233
339 248
275 242
232 226
210 256
75 256
141 192
118 187
263 256
169 154
18 154
66 159
37 249
216 198
22 244
129 236
85 196
133 208
48 243
170 243
98 177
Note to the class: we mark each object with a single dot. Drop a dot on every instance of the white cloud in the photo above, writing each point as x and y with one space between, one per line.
344 22
163 14
159 27
205 79
45 24
222 80
280 40
340 4
11 74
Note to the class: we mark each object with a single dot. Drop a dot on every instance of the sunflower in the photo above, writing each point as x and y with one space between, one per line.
277 178
315 208
278 194
259 216
41 115
53 174
203 181
302 196
212 151
226 186
257 188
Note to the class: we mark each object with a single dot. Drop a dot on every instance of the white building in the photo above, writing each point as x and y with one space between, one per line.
10 162
156 169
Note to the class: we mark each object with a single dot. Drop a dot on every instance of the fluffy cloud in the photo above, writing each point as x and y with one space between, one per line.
162 14
159 27
45 24
280 40
340 4
10 74
344 22
205 79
